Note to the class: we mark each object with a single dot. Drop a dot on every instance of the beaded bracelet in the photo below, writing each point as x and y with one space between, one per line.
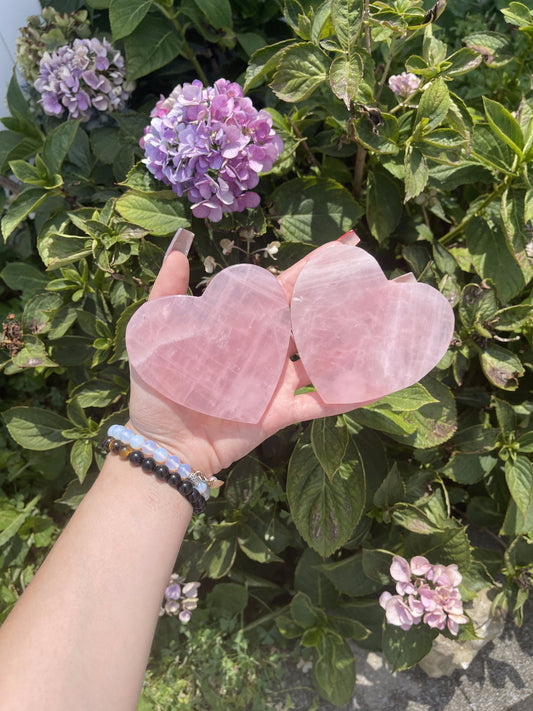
152 458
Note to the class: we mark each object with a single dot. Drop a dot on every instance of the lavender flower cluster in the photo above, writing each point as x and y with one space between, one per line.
181 598
404 84
426 593
79 77
211 144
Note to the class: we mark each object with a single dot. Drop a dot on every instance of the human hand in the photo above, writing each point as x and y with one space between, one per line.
207 443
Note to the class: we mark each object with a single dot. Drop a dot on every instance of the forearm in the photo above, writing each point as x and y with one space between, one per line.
80 635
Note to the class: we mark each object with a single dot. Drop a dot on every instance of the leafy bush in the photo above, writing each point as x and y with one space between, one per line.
436 180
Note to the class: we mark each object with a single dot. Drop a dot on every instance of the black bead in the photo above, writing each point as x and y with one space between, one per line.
136 458
106 443
200 506
148 465
174 479
161 471
185 487
115 446
194 497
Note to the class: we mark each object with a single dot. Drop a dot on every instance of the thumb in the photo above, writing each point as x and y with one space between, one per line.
173 277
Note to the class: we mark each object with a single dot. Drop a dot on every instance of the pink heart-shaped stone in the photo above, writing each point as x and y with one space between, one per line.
222 353
361 336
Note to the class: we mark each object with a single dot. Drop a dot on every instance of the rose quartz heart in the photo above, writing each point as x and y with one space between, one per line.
221 353
361 336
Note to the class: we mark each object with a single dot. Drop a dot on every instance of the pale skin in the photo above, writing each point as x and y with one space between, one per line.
80 635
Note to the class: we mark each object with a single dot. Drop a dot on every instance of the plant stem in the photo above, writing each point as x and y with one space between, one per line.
386 70
303 140
366 15
448 237
186 51
359 171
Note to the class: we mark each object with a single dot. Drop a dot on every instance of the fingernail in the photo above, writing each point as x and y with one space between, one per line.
349 238
181 242
408 278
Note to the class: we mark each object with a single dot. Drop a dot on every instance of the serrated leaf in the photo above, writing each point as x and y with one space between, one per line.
153 44
519 478
216 12
263 63
302 69
329 439
383 189
348 576
501 366
345 75
434 104
35 428
391 490
314 210
504 125
125 15
516 230
157 216
58 143
21 207
334 670
347 19
325 512
416 172
81 456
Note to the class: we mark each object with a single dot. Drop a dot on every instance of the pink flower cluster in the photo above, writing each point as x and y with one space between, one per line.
181 598
426 593
211 144
404 84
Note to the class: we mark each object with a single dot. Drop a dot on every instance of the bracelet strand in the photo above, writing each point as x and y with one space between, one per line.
153 459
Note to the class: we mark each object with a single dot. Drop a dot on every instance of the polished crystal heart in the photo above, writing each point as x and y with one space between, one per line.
361 336
222 353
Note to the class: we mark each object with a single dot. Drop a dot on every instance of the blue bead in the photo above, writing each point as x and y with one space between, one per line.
149 447
203 489
111 431
160 455
137 441
126 435
184 470
173 463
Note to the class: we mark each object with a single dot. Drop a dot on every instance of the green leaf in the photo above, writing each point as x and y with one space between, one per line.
334 670
227 599
125 15
216 12
156 216
11 518
434 104
518 14
153 44
96 393
519 478
349 578
263 63
345 75
391 490
476 439
380 139
106 144
58 143
329 439
325 512
504 125
218 558
414 519
254 545
383 189
525 442
347 19
81 456
449 545
516 230
34 428
23 277
304 613
495 47
403 649
376 564
468 469
416 172
411 398
33 355
493 259
314 210
302 68
501 366
20 208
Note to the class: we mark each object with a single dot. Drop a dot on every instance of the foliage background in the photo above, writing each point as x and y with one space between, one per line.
423 471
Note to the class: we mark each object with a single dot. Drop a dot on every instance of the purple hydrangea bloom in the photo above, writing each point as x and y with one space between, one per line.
80 77
426 593
210 144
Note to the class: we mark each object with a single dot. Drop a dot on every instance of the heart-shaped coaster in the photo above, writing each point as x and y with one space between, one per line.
361 336
222 353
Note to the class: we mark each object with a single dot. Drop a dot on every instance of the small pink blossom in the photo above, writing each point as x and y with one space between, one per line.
404 84
425 593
